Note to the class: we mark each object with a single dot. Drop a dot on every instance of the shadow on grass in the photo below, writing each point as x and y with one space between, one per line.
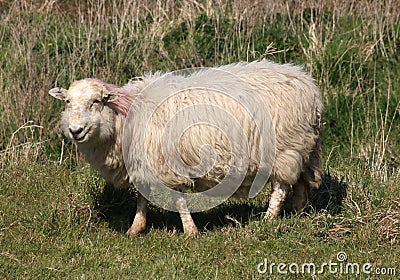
329 197
117 207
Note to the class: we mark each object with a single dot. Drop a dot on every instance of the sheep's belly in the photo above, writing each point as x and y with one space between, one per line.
237 189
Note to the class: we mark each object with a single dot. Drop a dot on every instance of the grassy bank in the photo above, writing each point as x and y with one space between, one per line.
58 220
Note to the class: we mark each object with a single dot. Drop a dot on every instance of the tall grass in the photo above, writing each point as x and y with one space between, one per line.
350 47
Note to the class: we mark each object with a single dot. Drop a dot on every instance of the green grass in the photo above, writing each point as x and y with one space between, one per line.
58 223
58 220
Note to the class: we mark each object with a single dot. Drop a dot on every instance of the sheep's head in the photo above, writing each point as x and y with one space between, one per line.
89 114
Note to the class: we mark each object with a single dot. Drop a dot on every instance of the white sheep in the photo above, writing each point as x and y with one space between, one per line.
102 119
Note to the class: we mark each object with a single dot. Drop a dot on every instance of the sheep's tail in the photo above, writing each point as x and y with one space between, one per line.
312 174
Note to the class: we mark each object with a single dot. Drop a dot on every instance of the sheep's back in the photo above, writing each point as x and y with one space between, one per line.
289 96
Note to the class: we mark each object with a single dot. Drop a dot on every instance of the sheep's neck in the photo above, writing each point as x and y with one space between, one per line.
107 158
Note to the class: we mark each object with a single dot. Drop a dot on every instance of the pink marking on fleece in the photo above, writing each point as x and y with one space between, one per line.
123 103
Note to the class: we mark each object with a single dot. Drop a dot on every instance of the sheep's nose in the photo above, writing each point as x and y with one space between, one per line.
75 130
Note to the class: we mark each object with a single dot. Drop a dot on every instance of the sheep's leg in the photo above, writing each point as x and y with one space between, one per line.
139 222
278 196
189 227
299 195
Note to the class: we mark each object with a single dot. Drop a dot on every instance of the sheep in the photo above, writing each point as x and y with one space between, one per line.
106 123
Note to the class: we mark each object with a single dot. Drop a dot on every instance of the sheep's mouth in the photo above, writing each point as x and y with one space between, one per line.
81 137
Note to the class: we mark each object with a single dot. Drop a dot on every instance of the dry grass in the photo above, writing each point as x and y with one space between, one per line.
48 43
388 222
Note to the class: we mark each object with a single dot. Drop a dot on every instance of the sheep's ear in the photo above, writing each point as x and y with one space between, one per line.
110 96
59 93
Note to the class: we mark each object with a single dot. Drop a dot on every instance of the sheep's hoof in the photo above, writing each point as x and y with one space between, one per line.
269 215
298 207
191 231
135 229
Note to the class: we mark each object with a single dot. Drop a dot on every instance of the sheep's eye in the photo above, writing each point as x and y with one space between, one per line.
95 102
67 101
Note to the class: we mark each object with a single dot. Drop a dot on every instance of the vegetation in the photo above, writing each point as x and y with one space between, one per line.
59 220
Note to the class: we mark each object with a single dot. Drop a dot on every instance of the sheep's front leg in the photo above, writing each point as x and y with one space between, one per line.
189 227
278 197
139 222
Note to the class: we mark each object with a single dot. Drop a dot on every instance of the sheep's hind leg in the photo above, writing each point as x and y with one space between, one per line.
189 227
299 195
278 196
139 222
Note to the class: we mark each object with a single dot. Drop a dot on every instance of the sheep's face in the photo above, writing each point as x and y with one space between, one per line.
87 117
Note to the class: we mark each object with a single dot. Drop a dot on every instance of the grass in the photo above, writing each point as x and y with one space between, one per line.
77 227
59 220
